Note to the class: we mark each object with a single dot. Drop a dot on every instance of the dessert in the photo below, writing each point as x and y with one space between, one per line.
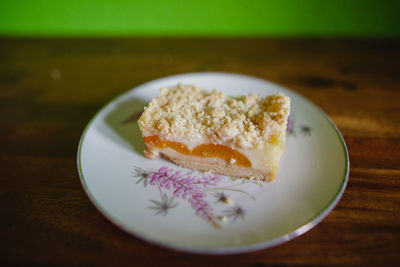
241 136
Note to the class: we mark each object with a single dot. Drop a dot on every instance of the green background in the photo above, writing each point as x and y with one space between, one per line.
200 18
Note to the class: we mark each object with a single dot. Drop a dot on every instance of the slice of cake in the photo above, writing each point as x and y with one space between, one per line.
240 136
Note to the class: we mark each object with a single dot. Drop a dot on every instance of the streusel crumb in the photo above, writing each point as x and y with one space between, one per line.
186 111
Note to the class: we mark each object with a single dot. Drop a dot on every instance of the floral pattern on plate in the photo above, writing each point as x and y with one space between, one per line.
194 187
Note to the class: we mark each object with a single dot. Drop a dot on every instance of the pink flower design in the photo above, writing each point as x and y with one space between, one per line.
192 188
188 187
289 125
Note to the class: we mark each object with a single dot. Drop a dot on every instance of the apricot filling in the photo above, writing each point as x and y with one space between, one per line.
204 151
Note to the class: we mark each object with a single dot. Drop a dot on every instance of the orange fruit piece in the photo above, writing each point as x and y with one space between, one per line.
205 150
222 152
156 141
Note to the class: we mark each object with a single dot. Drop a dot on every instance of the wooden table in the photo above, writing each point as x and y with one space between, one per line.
50 88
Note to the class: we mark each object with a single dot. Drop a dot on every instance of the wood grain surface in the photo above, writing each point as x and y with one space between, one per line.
50 88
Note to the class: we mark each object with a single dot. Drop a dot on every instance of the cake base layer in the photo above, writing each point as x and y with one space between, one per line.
215 165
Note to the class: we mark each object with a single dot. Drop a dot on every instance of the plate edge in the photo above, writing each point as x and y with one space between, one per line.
223 251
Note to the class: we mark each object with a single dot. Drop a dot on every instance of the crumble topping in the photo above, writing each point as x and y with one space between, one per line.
188 112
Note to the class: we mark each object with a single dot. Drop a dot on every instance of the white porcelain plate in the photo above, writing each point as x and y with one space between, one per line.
177 208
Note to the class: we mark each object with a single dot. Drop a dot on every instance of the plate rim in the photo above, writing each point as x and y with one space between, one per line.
315 220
